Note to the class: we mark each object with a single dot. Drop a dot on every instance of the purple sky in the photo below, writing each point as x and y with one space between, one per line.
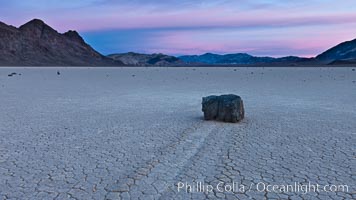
258 27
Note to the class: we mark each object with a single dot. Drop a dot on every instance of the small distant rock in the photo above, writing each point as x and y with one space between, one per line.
353 69
12 74
227 108
133 75
58 73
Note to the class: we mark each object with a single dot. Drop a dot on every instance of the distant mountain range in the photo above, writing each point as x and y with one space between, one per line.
238 59
344 53
37 44
137 59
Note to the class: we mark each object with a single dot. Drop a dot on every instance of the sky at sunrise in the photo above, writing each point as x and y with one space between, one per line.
177 27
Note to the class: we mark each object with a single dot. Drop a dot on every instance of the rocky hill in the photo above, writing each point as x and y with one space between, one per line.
137 59
344 53
37 44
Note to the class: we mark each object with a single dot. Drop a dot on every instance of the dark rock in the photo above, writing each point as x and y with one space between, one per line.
227 108
58 73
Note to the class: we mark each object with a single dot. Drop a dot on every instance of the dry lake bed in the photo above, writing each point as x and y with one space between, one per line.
138 133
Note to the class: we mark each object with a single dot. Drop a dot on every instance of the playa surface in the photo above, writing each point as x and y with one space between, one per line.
111 133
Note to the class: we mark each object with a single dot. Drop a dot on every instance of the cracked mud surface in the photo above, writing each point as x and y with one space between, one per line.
105 134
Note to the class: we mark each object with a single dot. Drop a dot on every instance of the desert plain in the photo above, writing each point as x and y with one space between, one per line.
138 133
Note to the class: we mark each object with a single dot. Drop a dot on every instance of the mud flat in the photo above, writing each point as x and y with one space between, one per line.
96 133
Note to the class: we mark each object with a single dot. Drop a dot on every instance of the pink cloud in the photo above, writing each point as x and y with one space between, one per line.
182 26
306 42
201 19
